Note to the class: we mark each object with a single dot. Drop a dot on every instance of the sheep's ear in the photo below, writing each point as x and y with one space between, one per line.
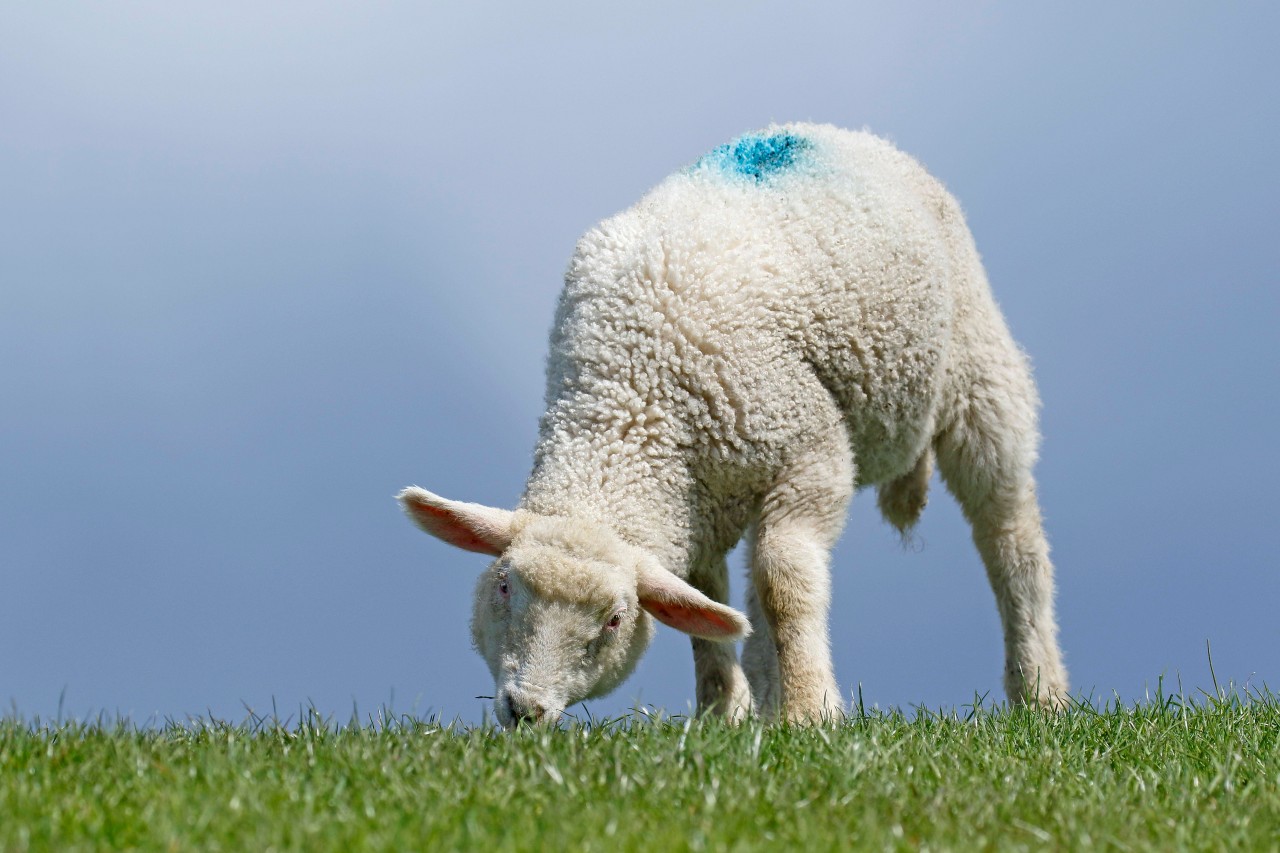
470 526
674 602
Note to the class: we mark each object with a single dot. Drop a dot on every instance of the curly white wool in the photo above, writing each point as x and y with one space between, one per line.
800 312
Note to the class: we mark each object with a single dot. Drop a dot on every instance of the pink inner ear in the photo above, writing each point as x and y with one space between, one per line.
445 525
691 620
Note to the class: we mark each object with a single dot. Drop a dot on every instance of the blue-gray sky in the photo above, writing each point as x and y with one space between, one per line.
262 265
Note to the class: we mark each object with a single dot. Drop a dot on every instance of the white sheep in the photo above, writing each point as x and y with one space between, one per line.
798 313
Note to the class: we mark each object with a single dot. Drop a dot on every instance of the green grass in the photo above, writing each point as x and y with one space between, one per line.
1170 773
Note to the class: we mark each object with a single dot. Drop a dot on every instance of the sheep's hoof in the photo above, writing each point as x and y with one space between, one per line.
1052 699
821 711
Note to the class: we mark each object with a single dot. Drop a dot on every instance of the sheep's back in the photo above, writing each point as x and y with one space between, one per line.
792 274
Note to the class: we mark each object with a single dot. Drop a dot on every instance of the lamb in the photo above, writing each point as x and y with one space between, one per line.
799 313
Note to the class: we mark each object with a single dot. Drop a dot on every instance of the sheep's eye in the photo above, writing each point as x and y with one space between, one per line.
614 622
504 588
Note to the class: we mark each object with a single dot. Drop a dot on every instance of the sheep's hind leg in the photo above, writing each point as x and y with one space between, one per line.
985 457
800 519
721 685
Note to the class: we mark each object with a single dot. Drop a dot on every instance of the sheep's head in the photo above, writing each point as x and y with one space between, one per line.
566 610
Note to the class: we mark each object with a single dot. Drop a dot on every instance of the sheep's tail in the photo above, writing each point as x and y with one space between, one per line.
902 500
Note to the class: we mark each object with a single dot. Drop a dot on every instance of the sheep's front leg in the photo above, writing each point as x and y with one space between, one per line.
800 520
722 688
760 658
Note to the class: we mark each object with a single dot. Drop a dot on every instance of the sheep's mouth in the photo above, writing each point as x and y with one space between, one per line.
515 711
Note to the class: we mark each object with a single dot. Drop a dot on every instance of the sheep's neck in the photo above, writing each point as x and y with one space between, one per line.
623 485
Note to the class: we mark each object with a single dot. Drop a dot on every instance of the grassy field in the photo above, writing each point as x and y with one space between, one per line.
1171 773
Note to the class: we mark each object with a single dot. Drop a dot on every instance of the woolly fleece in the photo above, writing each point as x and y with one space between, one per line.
799 313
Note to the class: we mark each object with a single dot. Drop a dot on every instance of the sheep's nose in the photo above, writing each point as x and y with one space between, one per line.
525 711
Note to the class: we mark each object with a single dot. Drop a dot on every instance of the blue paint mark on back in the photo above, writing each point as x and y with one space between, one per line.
758 157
